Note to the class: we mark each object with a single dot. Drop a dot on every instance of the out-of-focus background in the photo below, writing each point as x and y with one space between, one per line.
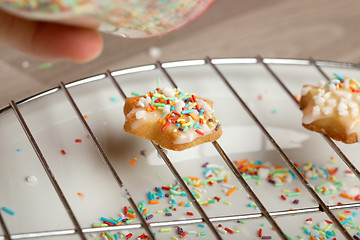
322 29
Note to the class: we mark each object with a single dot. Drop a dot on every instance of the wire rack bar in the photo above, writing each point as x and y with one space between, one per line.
106 160
43 234
176 174
187 190
265 64
291 165
234 170
337 64
314 63
5 230
112 228
285 61
224 156
254 197
47 169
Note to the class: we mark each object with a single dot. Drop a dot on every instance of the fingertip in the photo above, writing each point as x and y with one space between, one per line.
88 47
55 41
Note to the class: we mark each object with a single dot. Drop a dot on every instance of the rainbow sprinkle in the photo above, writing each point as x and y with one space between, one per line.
344 82
214 174
8 210
174 195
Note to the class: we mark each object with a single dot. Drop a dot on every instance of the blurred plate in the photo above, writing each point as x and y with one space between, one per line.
93 193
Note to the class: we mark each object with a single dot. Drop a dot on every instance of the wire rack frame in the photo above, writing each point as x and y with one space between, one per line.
163 66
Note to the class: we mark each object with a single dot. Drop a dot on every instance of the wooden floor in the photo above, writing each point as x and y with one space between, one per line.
322 29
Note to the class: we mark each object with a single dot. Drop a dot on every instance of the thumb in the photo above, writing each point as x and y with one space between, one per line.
50 41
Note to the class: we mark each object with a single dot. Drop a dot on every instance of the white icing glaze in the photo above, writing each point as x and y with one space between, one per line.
316 111
179 105
186 137
168 92
327 110
140 114
144 101
327 95
353 126
305 90
331 102
332 87
190 135
321 84
205 106
319 100
146 117
166 109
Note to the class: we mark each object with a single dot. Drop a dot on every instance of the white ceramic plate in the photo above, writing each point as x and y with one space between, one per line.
91 190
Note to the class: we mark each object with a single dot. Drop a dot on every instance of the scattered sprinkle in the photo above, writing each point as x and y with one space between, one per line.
81 195
159 176
8 210
114 99
297 98
230 191
132 162
31 179
45 66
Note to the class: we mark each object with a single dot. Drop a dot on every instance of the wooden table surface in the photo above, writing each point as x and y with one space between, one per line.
322 29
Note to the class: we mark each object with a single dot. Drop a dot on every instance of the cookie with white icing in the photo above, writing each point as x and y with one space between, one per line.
332 108
171 119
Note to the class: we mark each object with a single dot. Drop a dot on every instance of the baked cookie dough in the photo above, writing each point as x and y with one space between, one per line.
171 118
332 108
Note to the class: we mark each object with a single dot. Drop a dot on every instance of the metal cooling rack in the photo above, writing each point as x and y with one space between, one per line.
214 64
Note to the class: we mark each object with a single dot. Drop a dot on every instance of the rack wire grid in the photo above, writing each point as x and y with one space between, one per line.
63 194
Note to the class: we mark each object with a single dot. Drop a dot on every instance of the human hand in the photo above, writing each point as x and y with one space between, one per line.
50 41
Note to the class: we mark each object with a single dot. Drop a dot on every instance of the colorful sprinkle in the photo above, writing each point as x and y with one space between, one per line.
31 179
230 191
114 99
45 66
81 195
132 162
8 210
